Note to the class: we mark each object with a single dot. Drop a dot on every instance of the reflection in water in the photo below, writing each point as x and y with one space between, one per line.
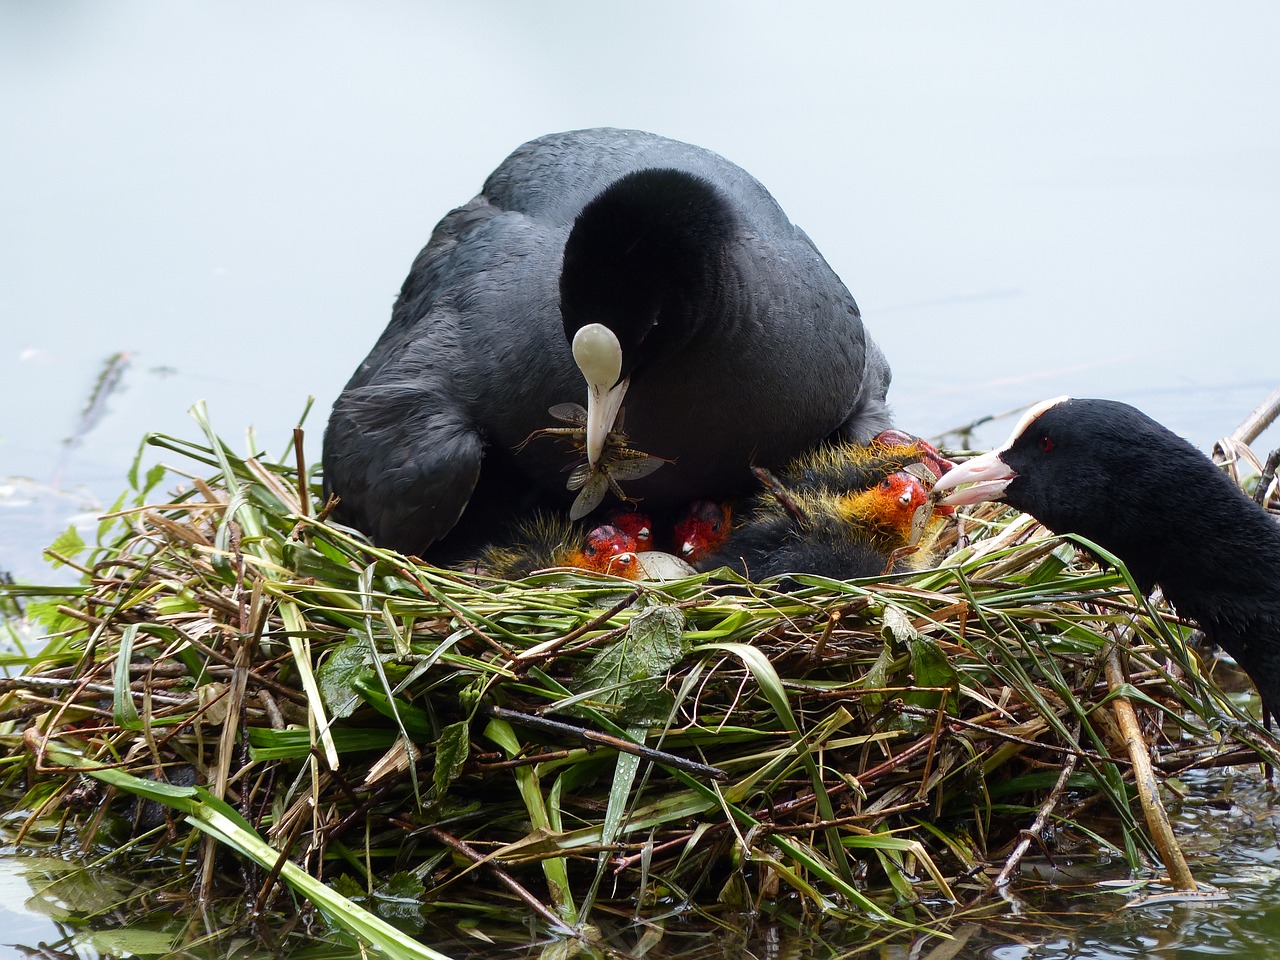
36 511
110 379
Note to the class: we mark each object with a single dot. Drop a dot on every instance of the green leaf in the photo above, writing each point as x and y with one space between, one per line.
106 522
413 720
929 665
398 899
877 678
1052 566
631 674
347 886
213 816
452 750
154 476
931 668
293 743
124 710
69 544
132 941
346 665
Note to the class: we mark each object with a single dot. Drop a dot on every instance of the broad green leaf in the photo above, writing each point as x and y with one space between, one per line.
451 754
631 674
346 664
132 941
69 544
931 668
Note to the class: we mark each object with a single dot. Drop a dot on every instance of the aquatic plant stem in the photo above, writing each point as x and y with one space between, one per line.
1258 420
594 736
494 867
304 495
1144 777
1037 825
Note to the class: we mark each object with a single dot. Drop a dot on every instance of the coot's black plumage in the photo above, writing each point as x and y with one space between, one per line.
1108 472
741 344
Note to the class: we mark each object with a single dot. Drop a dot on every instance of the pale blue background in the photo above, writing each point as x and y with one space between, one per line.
1026 199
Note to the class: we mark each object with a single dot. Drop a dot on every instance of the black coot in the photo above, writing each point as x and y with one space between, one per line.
738 343
1108 472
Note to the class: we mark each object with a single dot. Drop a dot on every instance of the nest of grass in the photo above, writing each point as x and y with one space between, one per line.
366 727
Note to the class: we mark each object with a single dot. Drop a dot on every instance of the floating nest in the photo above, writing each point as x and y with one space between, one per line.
368 729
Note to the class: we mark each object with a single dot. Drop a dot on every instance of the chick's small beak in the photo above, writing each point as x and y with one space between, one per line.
622 562
988 474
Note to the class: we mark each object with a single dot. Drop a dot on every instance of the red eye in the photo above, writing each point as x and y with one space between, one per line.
1046 443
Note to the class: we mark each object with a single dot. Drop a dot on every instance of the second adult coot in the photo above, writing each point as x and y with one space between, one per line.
738 344
1108 472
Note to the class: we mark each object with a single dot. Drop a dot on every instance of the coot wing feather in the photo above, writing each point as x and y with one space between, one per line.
407 437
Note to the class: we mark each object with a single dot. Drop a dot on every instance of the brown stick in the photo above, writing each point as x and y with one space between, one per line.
1037 825
548 649
304 494
594 736
1145 779
286 847
1264 481
781 494
476 857
1259 419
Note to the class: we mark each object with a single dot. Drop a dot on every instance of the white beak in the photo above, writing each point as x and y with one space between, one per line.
988 474
599 356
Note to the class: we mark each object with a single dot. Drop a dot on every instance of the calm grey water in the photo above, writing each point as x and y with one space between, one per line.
1026 199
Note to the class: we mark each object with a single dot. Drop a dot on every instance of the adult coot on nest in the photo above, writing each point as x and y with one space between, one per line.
683 289
1108 472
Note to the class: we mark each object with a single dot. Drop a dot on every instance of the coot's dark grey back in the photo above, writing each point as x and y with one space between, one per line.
552 178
